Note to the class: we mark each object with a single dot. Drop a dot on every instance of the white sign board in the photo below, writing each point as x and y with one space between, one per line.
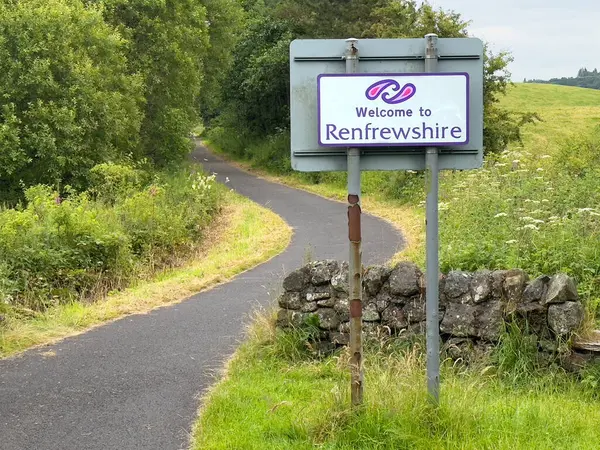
416 109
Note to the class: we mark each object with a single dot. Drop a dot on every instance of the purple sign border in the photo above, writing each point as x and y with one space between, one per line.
394 75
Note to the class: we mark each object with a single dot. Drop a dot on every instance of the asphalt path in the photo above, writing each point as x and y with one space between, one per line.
136 383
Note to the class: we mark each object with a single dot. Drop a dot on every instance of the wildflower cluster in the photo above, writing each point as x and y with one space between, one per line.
523 210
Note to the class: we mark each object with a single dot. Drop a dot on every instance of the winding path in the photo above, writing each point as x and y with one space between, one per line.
135 383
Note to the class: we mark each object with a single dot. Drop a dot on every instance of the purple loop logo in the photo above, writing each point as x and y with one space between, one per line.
390 91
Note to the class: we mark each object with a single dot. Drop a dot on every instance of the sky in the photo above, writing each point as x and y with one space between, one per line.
547 38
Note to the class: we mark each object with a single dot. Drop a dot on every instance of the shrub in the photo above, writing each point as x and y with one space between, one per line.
169 214
60 249
109 181
67 102
57 250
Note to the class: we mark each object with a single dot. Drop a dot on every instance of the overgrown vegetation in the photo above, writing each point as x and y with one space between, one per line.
254 116
56 250
241 236
538 212
277 397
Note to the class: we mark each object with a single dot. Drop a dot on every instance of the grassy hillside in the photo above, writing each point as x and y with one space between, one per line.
565 112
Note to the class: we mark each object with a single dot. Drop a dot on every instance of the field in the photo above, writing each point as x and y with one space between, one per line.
565 112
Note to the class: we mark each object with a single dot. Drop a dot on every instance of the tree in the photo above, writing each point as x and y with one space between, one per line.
585 78
257 86
225 20
167 45
67 102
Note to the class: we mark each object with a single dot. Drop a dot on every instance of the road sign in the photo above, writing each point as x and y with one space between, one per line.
311 58
365 110
388 104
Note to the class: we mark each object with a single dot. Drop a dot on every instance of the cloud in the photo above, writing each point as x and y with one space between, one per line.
547 38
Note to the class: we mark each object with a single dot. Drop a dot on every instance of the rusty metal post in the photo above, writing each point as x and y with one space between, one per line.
355 271
432 239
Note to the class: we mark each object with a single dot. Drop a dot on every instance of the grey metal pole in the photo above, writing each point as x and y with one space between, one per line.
432 242
355 269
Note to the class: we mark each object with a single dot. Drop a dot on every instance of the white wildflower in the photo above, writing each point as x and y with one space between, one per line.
512 241
530 226
500 215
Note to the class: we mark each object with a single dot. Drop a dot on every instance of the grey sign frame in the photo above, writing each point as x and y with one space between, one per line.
310 58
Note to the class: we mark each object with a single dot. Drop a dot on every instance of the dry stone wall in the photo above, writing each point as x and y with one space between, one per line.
474 307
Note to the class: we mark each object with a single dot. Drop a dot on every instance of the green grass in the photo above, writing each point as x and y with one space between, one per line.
273 398
242 236
566 112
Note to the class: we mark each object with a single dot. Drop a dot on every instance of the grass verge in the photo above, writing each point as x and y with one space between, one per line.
274 397
242 236
409 221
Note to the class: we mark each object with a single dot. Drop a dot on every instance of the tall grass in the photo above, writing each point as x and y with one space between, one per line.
269 401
